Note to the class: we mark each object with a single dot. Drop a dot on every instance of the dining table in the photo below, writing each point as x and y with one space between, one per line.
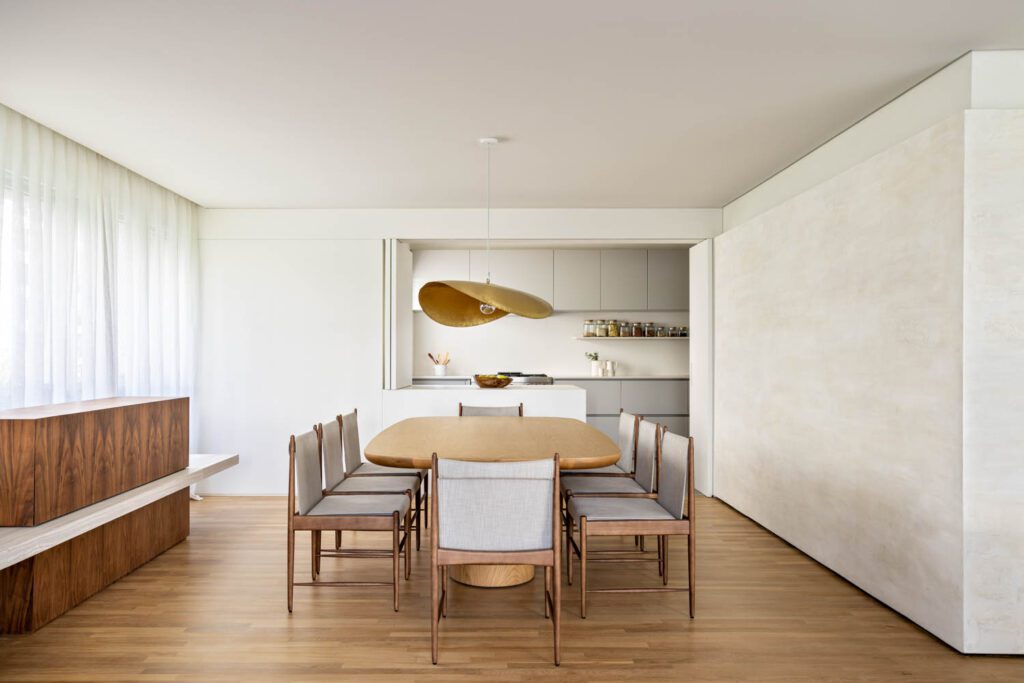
412 442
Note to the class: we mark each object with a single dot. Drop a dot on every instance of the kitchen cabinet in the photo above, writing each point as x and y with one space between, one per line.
665 401
528 270
437 264
577 280
668 279
607 425
656 397
623 279
604 397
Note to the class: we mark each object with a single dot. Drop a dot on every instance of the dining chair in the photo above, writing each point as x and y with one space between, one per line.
355 467
495 513
310 510
490 411
627 429
643 483
337 483
670 514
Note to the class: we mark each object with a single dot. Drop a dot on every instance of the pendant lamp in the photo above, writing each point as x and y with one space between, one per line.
463 303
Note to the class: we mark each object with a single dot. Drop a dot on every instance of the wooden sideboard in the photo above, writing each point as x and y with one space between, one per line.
57 459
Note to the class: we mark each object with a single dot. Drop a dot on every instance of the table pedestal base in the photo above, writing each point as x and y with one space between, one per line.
492 575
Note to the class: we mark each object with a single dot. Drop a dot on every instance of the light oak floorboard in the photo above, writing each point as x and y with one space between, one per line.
213 609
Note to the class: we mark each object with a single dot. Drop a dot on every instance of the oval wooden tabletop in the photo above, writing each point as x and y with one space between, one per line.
411 442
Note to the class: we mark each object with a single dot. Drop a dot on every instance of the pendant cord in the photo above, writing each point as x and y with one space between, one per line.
488 242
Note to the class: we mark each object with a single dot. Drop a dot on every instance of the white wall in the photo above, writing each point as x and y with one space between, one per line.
702 376
548 345
291 333
994 382
838 365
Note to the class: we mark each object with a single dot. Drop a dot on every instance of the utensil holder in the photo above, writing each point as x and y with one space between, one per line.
440 370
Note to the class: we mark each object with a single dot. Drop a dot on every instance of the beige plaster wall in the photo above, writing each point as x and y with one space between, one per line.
838 374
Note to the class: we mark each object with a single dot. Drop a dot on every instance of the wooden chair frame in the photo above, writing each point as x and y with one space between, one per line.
422 502
520 408
316 524
441 559
417 512
660 528
627 555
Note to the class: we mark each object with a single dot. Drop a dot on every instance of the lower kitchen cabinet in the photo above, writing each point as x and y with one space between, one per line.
665 401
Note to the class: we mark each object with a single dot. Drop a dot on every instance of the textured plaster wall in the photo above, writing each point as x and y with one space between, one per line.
838 374
994 382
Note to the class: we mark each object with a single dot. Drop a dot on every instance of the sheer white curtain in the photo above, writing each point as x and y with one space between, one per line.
98 274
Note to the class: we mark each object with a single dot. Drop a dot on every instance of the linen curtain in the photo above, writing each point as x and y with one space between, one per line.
98 274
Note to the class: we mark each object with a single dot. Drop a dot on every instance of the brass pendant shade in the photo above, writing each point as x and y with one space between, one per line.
457 303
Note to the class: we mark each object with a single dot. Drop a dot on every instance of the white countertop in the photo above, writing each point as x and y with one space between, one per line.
473 387
560 378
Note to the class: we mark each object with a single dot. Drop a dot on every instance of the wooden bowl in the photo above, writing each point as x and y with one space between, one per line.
492 382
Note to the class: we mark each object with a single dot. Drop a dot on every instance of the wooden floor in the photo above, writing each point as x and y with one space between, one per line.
213 609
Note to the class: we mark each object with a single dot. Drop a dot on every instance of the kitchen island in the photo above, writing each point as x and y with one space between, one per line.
556 400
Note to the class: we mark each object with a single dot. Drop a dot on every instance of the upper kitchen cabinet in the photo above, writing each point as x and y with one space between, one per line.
577 280
668 279
528 270
439 264
623 279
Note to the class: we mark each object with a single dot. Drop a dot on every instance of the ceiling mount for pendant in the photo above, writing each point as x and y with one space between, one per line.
462 303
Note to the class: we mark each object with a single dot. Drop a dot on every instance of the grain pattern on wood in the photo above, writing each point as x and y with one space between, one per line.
40 589
492 575
54 462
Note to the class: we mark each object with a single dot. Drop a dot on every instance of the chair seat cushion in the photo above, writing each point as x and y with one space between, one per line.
617 509
374 468
372 505
607 469
374 484
584 485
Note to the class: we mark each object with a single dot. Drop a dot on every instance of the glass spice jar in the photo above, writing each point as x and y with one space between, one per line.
588 328
662 331
625 329
650 330
685 331
613 328
602 328
638 329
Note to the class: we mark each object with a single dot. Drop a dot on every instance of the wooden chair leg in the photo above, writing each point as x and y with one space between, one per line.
419 519
315 545
664 570
337 540
691 558
408 524
291 566
547 592
394 557
445 585
583 567
661 555
434 609
557 599
636 541
568 548
426 499
642 548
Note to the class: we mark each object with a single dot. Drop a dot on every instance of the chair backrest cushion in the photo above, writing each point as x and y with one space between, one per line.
646 453
308 489
675 453
350 438
490 411
495 506
334 464
627 440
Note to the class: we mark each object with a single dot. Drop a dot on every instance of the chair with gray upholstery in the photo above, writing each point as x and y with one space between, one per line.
642 484
310 510
495 513
490 411
337 483
629 425
670 514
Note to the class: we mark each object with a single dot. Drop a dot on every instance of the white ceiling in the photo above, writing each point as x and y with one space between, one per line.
675 103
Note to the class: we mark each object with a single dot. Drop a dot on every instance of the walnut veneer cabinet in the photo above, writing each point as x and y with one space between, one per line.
60 458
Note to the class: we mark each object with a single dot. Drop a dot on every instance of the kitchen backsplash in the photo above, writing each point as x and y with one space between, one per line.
548 346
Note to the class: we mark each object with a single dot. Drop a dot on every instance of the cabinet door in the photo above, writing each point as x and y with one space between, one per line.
656 397
609 426
676 425
668 280
623 279
604 396
577 280
437 264
529 270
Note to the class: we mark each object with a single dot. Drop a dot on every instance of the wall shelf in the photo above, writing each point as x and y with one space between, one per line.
676 339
